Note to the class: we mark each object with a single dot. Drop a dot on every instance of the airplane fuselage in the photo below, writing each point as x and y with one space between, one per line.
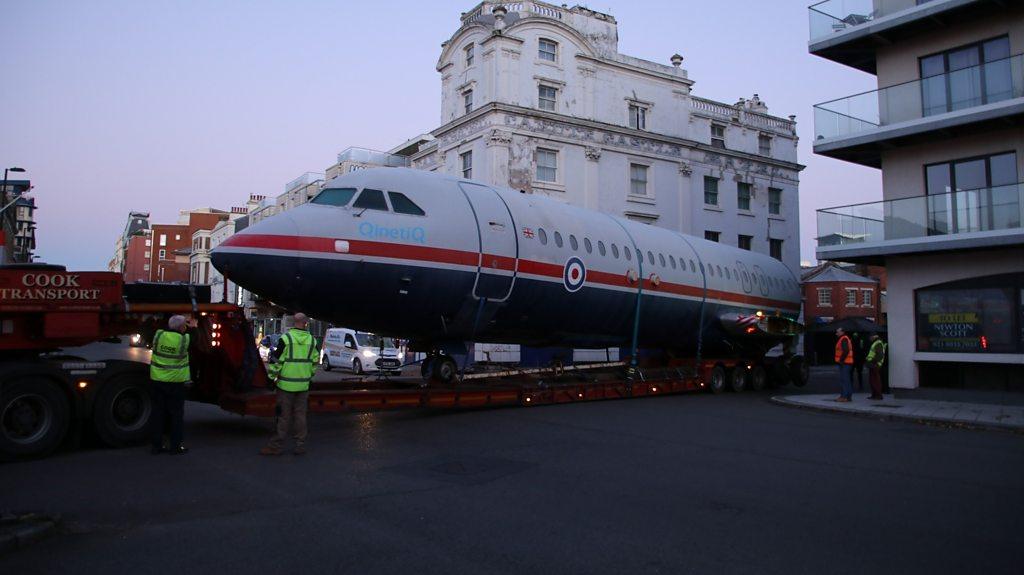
488 264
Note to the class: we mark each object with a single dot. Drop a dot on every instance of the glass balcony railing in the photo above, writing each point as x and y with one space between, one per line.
832 16
960 212
961 89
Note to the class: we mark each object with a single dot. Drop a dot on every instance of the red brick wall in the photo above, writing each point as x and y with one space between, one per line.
839 309
135 260
166 269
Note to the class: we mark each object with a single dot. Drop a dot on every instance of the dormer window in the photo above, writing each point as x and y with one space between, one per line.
547 50
469 55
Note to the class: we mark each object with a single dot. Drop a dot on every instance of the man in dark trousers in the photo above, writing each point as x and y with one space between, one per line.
292 366
169 372
859 350
876 361
844 359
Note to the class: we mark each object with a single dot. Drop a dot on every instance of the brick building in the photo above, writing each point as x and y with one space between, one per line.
831 294
137 259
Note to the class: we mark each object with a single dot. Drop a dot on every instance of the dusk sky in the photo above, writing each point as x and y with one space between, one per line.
160 106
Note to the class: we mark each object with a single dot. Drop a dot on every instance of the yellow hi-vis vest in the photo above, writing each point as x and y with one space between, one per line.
169 361
297 363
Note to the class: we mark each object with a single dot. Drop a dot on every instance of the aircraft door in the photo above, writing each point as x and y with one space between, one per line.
499 244
745 278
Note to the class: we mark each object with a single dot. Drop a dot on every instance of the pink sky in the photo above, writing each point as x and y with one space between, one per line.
160 106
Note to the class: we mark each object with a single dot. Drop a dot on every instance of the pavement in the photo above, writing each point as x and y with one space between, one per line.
990 416
693 483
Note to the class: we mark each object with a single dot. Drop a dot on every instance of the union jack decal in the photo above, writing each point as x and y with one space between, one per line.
747 320
527 233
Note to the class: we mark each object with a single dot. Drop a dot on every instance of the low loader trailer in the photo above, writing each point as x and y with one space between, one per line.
50 396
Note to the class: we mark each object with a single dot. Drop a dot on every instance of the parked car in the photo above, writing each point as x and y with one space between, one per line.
360 351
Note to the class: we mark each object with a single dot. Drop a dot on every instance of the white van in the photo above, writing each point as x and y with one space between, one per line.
360 351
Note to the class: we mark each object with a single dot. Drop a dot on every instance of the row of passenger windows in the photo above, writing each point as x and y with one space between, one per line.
713 270
369 199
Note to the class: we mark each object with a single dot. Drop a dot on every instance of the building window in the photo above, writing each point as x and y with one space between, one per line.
775 249
851 297
148 255
745 242
547 165
466 159
966 77
547 50
162 254
985 195
825 297
743 196
467 100
717 136
637 117
865 297
710 191
177 237
712 236
163 240
469 55
547 98
774 201
638 179
149 242
971 316
764 145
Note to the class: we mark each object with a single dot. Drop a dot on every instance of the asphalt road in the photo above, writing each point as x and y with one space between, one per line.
684 484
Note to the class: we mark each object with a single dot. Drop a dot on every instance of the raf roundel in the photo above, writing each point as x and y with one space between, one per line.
574 275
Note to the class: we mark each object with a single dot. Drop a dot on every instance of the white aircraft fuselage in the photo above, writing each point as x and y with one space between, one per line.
488 264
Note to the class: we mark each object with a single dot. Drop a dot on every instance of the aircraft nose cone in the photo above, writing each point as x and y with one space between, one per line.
261 258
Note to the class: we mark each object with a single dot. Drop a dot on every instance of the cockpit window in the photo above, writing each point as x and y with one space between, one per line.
334 197
403 205
371 200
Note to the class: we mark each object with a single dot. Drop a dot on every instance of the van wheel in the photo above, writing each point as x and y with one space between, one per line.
326 363
357 366
717 380
738 378
34 416
758 378
122 411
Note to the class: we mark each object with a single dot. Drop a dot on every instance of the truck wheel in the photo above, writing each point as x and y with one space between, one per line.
738 378
758 378
34 416
357 366
717 381
444 369
326 363
122 411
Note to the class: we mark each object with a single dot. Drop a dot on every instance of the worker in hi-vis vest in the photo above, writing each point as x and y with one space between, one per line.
876 363
292 365
169 370
844 358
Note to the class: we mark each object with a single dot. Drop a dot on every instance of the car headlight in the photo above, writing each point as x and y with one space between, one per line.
136 338
401 356
368 353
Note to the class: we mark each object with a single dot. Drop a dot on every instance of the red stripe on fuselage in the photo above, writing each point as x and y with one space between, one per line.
492 261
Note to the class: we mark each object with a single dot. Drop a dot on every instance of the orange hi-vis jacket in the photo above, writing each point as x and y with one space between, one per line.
849 350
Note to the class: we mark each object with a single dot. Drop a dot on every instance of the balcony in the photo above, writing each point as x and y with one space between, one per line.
857 128
964 219
850 31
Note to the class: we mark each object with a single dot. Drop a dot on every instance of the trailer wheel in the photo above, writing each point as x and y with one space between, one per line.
716 382
122 411
326 363
738 378
444 369
799 372
34 416
758 378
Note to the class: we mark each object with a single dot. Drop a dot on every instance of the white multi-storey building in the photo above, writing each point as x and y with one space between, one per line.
537 97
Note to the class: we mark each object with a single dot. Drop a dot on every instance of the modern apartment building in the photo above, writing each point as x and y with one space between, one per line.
946 127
